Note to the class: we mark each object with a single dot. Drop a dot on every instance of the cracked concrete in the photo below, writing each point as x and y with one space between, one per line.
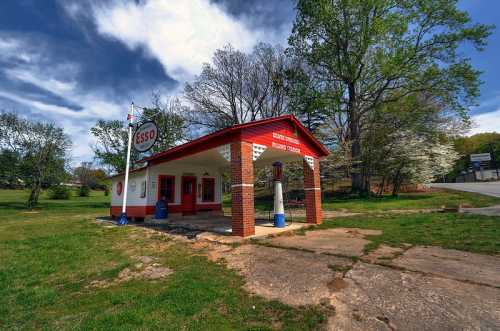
450 263
381 298
338 241
393 288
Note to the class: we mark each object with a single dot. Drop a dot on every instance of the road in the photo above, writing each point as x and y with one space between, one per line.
489 188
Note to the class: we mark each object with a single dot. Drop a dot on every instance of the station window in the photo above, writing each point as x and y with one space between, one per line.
208 190
166 188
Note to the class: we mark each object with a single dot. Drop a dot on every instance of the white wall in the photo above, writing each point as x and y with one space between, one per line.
178 170
134 189
169 169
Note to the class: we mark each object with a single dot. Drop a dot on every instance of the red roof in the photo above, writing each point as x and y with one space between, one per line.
211 139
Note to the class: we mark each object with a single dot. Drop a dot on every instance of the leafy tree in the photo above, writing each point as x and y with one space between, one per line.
172 126
88 176
9 168
43 149
111 147
367 53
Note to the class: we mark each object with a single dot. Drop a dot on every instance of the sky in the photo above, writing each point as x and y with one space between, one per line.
73 62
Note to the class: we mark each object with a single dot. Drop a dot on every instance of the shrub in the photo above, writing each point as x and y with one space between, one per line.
84 191
106 190
59 192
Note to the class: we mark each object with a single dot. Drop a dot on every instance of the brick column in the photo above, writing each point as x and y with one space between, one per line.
312 190
243 218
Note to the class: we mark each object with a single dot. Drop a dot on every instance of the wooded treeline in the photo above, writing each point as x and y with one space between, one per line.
382 83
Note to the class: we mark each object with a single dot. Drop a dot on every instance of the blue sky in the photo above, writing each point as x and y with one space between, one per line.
75 61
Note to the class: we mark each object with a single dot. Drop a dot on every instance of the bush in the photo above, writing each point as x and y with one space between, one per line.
84 191
106 190
59 192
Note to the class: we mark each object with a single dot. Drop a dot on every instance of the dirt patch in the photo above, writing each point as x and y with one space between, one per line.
291 276
381 298
212 250
382 254
146 269
449 263
339 241
337 284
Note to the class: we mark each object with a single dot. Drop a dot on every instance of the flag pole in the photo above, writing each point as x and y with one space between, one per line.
130 118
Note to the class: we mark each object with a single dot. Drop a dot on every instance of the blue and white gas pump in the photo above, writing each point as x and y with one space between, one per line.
279 210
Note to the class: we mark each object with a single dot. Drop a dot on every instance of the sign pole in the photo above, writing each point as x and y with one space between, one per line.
123 217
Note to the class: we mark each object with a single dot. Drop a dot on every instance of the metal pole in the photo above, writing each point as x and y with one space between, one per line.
123 217
494 159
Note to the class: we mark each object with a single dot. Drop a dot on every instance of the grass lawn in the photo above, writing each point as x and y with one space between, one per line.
473 233
50 256
429 200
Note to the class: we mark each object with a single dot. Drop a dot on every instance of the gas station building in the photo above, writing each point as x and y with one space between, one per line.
189 176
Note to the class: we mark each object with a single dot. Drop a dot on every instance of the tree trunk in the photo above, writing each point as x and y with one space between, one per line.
356 175
354 135
34 194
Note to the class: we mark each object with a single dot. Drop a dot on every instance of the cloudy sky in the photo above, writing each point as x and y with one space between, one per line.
76 61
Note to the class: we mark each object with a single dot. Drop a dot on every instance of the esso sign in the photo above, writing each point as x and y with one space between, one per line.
145 136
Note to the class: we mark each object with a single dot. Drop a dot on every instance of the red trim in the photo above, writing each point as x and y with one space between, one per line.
203 180
185 208
230 134
143 211
160 177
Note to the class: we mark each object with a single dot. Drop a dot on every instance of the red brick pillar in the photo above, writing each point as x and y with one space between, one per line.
312 189
243 218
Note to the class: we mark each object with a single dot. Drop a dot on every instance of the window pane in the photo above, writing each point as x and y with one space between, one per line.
208 190
167 188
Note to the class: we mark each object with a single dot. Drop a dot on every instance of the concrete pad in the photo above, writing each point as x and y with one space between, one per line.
381 298
291 276
340 241
449 263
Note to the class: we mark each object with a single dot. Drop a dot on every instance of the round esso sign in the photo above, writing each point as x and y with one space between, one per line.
145 136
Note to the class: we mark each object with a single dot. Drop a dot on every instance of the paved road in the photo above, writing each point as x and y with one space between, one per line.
490 188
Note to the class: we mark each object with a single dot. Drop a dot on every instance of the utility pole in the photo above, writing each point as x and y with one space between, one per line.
493 159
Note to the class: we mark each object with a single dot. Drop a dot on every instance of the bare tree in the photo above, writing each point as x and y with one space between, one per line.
237 87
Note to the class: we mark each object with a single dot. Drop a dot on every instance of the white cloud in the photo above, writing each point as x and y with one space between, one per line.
29 66
182 35
486 122
48 83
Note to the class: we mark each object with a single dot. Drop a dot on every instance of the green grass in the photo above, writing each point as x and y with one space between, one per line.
472 233
428 200
48 259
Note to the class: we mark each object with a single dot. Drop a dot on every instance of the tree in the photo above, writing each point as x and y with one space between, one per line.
411 159
237 87
43 149
172 126
479 143
367 53
111 147
90 177
9 168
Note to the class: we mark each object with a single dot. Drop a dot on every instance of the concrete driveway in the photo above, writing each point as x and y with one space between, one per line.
490 188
